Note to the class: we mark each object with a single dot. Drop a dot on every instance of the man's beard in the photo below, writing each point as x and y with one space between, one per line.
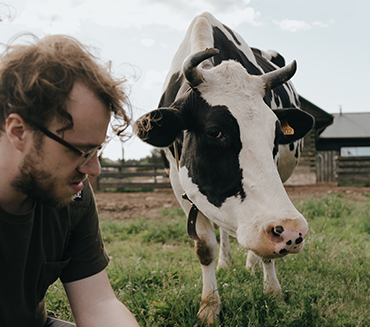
41 185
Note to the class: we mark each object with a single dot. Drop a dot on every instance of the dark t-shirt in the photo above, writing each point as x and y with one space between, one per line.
41 246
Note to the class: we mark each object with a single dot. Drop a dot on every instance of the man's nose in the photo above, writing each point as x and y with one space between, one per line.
91 167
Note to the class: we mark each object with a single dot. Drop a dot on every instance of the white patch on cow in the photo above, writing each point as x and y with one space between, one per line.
230 85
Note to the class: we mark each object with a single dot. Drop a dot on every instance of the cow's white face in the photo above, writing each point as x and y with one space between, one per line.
231 153
227 169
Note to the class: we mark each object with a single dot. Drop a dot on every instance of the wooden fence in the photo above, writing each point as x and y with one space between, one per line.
330 168
114 176
326 166
353 171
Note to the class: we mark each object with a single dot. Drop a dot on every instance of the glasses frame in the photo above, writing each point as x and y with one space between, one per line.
86 155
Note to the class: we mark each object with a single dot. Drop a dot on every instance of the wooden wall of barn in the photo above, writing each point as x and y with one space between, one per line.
326 167
354 171
331 168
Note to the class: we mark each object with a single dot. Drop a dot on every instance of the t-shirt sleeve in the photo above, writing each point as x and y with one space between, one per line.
85 248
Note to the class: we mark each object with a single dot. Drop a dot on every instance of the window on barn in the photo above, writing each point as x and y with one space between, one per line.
356 151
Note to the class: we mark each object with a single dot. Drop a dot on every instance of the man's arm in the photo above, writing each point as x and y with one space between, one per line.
94 303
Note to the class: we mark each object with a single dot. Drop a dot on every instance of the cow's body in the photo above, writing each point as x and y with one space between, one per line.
221 140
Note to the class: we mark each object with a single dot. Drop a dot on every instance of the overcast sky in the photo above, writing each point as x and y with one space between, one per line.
329 39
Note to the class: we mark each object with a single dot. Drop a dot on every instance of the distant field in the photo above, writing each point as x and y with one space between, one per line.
155 272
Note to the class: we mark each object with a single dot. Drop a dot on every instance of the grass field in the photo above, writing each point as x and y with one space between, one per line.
155 272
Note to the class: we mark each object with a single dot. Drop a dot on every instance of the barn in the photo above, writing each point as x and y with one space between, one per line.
343 150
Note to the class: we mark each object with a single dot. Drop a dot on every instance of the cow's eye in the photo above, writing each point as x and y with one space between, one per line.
214 133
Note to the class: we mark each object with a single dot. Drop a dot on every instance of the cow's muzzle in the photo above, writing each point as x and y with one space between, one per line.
286 240
275 240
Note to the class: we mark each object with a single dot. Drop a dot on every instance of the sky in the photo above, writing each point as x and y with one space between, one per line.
329 40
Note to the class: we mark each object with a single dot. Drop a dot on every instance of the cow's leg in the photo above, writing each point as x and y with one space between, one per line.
206 250
224 257
252 260
271 283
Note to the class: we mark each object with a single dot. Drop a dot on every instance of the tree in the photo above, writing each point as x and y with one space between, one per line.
155 157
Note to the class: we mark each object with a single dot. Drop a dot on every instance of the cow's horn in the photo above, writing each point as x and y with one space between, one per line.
279 76
190 65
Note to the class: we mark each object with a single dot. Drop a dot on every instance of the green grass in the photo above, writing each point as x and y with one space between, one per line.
155 272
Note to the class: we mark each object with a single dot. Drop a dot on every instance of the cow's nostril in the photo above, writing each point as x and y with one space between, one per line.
276 238
279 229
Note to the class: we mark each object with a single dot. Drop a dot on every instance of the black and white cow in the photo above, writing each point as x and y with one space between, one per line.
228 152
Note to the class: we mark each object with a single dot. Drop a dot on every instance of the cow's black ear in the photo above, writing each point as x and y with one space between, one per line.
295 124
159 127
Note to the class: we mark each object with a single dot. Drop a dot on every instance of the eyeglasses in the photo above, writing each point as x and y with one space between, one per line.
86 156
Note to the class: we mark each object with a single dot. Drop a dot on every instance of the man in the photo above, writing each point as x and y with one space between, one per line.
55 106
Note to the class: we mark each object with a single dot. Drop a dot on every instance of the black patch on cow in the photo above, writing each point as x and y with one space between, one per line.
283 251
228 50
289 242
299 240
255 50
170 94
179 147
212 145
232 34
280 91
291 146
204 252
278 60
275 150
277 101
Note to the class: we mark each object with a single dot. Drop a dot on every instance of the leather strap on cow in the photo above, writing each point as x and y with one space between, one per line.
192 219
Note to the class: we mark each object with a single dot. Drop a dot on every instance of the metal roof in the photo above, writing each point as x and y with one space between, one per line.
349 125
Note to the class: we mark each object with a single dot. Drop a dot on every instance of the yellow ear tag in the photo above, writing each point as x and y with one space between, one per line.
287 130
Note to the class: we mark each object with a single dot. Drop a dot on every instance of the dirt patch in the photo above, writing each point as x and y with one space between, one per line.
134 205
150 204
297 193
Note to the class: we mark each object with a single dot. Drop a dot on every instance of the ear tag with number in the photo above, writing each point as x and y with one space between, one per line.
287 130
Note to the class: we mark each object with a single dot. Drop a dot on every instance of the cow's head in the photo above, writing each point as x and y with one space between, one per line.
229 139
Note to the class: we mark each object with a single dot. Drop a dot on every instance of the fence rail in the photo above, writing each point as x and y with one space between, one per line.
133 176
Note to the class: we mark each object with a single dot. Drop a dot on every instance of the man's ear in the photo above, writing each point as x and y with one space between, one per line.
15 129
295 124
160 127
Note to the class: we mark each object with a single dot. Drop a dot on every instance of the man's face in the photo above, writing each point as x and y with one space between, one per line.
49 171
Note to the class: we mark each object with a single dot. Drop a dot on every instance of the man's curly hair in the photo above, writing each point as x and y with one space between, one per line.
36 79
